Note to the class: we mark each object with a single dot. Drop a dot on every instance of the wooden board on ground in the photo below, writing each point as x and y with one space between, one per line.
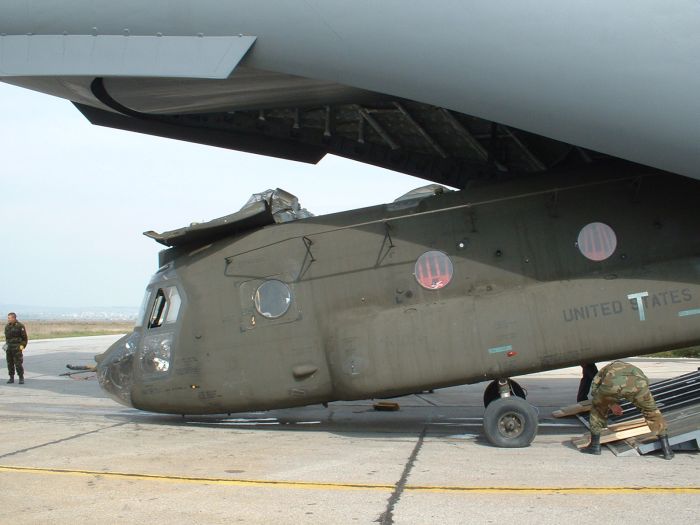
386 406
628 429
572 410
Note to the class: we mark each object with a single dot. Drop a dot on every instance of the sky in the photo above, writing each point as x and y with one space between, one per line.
76 198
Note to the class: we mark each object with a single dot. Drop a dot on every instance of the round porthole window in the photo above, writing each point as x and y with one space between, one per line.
272 299
433 270
597 241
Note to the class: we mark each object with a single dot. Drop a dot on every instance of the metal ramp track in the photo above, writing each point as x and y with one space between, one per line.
670 394
683 434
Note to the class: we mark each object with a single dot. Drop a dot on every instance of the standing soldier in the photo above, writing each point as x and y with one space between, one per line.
15 342
613 383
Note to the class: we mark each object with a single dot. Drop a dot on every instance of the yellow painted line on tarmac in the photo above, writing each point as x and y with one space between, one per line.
200 480
350 486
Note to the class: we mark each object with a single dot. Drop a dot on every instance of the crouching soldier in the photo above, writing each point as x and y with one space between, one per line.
615 382
15 342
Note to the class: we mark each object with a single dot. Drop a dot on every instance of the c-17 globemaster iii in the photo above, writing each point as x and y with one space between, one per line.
571 133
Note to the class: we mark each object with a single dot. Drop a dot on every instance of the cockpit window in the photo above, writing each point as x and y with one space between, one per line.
166 307
272 299
174 305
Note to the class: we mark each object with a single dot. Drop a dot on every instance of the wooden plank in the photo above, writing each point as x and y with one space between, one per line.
386 406
632 423
572 410
610 435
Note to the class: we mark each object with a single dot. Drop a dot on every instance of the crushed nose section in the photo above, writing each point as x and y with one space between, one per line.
115 368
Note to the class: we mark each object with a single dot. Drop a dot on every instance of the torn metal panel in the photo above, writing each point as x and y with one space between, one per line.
285 207
423 192
254 216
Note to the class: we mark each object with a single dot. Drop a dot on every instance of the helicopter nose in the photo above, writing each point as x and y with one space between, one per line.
115 368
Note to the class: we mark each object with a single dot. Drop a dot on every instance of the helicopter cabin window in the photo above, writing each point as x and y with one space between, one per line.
597 241
433 270
272 299
166 307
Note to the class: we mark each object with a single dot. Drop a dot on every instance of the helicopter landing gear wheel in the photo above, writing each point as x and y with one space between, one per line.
510 422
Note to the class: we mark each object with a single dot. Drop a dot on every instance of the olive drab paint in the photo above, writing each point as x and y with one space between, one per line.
349 306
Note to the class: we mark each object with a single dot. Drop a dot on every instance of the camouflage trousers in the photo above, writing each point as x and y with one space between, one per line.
14 361
639 395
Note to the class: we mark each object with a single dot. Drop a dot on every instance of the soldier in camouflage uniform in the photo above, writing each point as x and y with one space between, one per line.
15 342
613 383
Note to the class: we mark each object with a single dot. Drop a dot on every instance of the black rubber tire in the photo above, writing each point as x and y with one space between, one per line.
491 392
510 422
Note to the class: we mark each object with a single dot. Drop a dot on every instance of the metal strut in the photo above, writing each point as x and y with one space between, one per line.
378 128
387 237
421 130
387 234
504 388
466 135
308 243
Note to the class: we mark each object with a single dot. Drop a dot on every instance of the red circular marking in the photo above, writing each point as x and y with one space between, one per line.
597 241
433 270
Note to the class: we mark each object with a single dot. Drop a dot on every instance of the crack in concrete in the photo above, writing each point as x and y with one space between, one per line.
62 440
387 517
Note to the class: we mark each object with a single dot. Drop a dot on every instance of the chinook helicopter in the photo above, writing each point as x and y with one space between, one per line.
571 135
432 291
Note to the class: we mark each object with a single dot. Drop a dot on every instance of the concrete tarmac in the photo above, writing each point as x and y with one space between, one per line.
69 454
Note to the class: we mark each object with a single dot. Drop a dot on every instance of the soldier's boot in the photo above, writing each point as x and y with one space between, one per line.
665 446
594 446
21 380
11 380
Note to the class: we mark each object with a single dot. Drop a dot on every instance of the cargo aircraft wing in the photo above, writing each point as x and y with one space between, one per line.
444 90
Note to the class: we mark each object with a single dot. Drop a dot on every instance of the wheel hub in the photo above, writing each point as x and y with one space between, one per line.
511 425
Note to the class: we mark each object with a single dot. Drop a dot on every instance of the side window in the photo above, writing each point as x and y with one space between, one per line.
166 307
268 302
272 299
